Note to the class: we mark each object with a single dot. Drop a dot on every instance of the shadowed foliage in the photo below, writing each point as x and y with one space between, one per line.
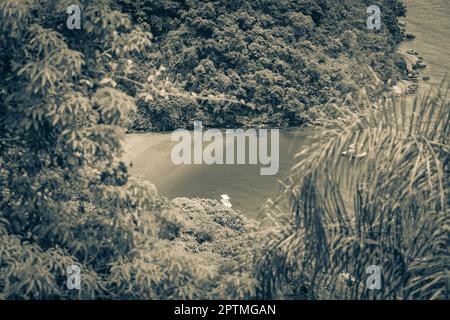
389 207
282 57
65 195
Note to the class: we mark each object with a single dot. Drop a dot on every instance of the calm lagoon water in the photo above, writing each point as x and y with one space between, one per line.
430 21
246 187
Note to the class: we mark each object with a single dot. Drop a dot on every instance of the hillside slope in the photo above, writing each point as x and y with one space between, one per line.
283 57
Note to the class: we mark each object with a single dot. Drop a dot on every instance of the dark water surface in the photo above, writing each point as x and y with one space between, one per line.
244 184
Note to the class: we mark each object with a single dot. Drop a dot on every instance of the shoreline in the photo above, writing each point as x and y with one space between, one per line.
414 64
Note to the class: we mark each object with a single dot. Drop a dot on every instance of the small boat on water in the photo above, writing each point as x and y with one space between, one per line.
354 151
226 201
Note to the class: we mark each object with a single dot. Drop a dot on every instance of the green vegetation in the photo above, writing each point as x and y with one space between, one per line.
282 57
389 209
67 199
65 196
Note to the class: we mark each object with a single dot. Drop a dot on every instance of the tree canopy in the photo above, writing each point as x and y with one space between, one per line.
282 57
66 198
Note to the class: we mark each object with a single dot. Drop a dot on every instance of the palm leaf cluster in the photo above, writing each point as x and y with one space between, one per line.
388 208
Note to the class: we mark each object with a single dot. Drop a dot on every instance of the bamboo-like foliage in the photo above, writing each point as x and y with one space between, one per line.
389 208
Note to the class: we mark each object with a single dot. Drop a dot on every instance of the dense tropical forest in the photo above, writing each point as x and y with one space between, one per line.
281 58
68 96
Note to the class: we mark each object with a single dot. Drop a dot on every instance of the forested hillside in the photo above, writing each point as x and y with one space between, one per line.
66 198
281 57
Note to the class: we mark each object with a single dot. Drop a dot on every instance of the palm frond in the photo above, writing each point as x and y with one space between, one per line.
389 207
